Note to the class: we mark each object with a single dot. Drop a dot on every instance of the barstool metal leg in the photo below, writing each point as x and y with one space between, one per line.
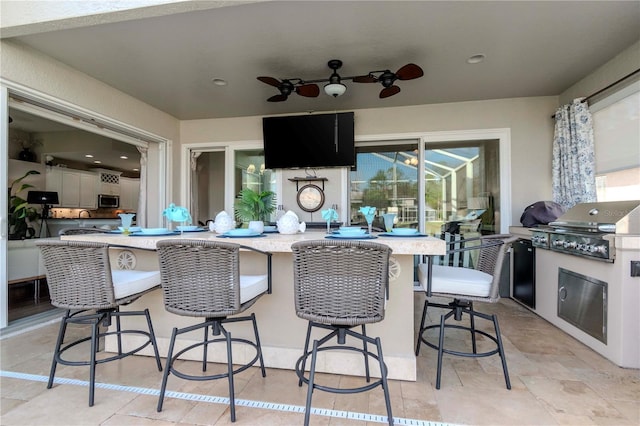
152 337
255 329
440 350
232 398
312 373
473 328
501 352
167 369
424 318
205 346
385 385
56 352
95 335
119 332
366 356
306 349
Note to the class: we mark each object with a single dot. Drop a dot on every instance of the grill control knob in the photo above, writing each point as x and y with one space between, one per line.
539 239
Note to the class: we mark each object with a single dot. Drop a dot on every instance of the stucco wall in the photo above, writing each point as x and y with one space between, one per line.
26 66
528 118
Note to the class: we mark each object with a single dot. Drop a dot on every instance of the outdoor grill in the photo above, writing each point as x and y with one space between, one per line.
588 229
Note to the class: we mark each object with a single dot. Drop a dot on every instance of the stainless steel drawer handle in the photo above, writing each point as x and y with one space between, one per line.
562 293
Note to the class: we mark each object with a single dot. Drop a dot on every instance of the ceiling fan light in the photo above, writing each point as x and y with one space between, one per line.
335 89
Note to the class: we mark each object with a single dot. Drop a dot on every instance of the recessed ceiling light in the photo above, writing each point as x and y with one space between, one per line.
219 82
475 59
124 157
89 156
98 162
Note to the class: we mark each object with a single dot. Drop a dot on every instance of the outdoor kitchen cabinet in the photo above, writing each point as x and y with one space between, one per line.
524 272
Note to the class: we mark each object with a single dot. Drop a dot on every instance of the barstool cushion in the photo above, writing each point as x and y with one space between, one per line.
252 286
128 282
455 280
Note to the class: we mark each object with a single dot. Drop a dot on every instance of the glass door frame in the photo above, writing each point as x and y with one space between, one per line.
4 206
229 149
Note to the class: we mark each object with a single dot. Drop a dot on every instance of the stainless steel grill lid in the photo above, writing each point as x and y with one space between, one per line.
620 217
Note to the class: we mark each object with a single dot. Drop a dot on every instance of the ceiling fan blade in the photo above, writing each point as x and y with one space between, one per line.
409 72
389 91
270 81
364 79
308 90
277 98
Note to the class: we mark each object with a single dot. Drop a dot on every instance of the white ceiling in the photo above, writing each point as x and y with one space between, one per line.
535 48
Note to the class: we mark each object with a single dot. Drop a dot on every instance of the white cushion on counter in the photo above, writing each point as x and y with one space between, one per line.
454 280
128 282
252 286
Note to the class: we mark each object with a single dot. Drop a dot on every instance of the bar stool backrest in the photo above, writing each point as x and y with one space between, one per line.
78 274
200 278
340 282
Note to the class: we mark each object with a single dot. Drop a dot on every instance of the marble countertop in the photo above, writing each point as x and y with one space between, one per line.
275 243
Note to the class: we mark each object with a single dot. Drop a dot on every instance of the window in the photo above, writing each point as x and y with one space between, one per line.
616 123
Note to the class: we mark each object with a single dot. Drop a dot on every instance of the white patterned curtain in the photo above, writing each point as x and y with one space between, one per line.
141 214
574 178
195 207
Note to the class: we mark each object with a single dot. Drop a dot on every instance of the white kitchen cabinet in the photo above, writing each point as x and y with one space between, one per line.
70 196
53 181
108 182
129 191
88 190
75 188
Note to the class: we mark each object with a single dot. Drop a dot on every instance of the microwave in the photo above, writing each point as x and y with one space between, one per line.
108 201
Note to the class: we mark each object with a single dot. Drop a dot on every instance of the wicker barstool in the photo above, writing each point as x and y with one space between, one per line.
202 279
80 280
340 285
464 286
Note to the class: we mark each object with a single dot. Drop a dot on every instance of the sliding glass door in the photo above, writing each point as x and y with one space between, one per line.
461 188
219 174
386 177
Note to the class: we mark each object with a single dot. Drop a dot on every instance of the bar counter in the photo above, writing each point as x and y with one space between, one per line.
282 333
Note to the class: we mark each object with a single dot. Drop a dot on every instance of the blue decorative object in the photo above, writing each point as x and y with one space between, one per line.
369 213
329 215
175 213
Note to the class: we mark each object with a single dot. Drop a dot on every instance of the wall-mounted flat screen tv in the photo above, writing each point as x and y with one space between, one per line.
301 141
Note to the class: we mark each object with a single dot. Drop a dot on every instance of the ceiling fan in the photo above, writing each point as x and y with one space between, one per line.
334 86
287 86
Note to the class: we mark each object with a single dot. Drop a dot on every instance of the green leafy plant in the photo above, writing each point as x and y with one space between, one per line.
20 214
251 205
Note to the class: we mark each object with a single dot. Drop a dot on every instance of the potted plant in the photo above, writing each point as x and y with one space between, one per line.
253 208
20 214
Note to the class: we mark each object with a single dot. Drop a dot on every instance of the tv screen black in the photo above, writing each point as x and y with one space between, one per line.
322 140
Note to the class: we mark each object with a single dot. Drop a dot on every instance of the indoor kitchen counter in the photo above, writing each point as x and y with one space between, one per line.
55 225
282 333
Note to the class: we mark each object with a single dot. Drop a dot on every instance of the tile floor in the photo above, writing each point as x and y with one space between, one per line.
555 380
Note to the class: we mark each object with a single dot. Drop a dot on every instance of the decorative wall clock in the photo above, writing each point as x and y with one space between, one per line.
310 198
